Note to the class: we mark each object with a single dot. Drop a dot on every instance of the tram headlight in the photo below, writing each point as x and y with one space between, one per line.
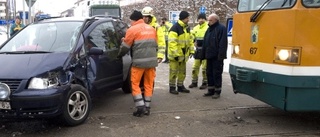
283 54
236 49
287 55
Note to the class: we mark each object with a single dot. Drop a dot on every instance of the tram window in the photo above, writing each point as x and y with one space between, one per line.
311 3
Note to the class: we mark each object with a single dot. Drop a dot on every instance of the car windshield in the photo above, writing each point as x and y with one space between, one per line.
47 37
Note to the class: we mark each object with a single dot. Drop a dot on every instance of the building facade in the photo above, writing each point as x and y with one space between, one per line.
3 9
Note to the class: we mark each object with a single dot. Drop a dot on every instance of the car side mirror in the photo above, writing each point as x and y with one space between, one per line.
95 51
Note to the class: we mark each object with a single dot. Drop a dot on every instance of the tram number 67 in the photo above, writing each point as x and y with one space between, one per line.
253 50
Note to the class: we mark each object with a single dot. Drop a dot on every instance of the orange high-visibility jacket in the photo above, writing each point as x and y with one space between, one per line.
142 39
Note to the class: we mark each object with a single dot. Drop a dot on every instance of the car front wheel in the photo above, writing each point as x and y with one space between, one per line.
76 107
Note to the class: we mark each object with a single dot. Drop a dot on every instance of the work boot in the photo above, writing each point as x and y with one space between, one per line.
140 111
173 90
216 96
183 89
203 86
147 112
209 93
192 85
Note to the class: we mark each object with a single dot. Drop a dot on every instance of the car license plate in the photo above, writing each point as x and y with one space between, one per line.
5 105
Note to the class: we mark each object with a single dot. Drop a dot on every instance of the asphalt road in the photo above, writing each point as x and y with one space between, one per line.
231 115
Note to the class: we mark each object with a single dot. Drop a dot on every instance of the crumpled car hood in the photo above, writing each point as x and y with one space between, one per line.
25 66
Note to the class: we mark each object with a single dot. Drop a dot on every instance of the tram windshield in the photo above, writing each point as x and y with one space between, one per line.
253 5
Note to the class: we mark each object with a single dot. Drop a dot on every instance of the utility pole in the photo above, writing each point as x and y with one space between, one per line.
24 12
15 9
29 14
7 18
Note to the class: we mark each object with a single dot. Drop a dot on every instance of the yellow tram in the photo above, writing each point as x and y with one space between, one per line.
276 45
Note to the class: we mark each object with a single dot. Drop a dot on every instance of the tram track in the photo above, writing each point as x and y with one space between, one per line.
249 107
287 134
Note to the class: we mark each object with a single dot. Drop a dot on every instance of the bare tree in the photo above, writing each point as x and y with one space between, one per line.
224 8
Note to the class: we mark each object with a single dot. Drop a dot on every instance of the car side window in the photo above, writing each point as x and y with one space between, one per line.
121 28
102 36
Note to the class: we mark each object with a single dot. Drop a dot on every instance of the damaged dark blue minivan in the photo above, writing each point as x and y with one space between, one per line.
52 67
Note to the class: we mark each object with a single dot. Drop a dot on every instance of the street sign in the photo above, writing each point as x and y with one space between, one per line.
174 16
11 21
32 2
229 26
4 22
202 9
23 16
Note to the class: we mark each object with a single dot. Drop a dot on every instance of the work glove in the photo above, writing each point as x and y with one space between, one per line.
191 55
119 56
220 58
123 51
176 58
159 60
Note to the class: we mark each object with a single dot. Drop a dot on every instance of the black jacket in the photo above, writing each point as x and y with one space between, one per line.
215 42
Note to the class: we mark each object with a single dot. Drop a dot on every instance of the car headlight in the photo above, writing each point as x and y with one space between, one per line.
4 91
42 83
287 55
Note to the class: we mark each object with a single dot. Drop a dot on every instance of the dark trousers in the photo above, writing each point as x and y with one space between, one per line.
166 52
214 75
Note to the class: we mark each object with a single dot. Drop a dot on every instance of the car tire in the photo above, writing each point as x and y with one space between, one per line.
126 86
76 107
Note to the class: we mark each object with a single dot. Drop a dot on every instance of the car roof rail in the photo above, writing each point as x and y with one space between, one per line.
48 18
107 16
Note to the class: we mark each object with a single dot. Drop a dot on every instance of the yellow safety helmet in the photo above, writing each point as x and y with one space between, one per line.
147 11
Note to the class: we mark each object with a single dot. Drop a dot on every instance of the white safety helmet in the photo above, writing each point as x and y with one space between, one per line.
147 11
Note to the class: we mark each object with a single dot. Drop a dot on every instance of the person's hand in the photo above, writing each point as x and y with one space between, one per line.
220 58
119 56
159 60
122 39
191 55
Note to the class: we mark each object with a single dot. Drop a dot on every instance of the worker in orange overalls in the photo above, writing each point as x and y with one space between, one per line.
150 19
141 39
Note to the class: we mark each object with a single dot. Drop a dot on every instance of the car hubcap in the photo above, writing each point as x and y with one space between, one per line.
77 105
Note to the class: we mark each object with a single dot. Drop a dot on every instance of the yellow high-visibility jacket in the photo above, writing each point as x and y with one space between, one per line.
160 36
180 42
166 28
199 31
